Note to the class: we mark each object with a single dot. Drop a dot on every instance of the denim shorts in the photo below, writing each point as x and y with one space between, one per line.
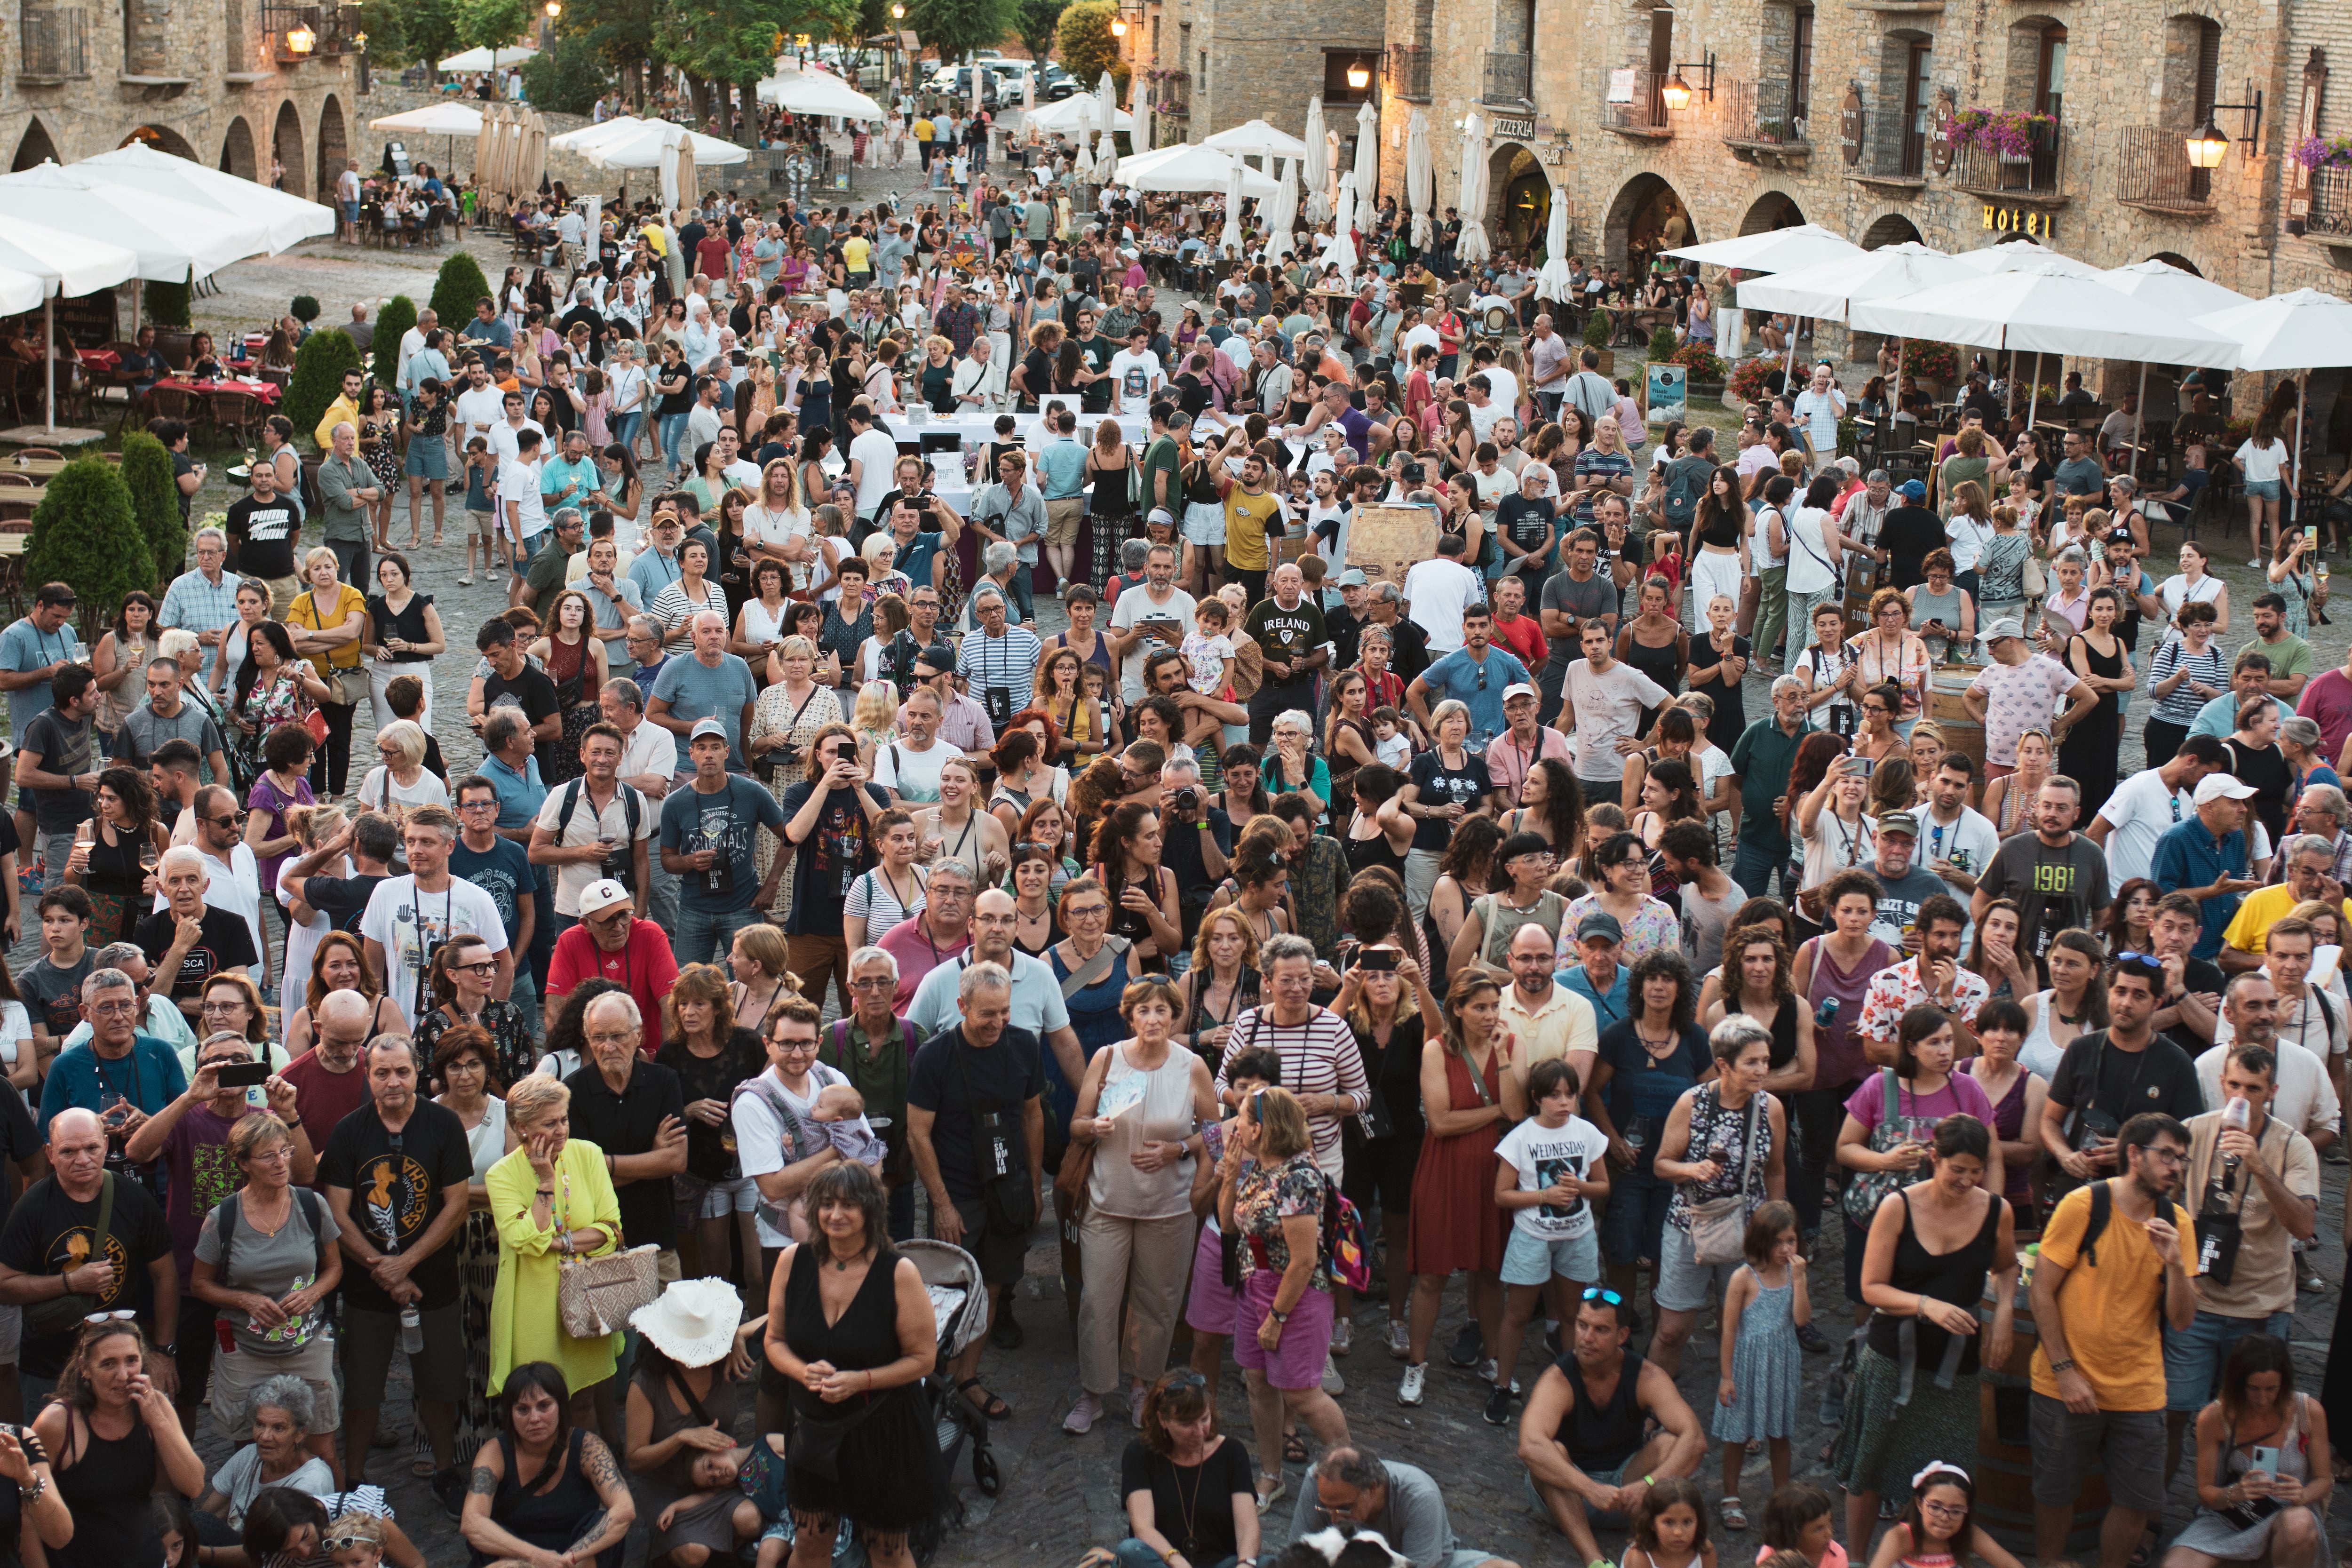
428 458
2263 490
2193 1355
1684 1284
1531 1259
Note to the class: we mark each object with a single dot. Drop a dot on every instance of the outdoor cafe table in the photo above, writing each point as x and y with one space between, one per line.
975 429
268 392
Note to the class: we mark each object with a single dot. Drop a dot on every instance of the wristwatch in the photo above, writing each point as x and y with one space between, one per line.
167 1350
1278 1315
2066 1364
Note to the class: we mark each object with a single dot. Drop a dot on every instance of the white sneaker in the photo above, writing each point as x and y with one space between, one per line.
1343 1337
1081 1419
1409 1391
1333 1383
1400 1338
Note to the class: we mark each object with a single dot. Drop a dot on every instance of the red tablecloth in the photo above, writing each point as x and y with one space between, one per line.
266 391
102 359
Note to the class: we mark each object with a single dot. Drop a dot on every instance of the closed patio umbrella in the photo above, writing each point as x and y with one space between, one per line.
1319 169
1367 155
1282 217
1473 245
1555 282
1420 177
1229 238
1341 247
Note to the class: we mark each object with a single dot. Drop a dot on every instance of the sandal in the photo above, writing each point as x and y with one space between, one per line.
1267 1499
1734 1516
420 1461
1293 1448
2145 1553
989 1405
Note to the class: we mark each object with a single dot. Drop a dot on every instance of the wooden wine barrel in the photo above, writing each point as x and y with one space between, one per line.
1946 706
2003 1472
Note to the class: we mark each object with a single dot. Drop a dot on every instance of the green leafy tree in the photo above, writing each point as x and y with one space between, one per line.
1088 47
392 324
621 32
1035 21
154 500
167 303
956 27
319 366
85 534
737 46
566 78
489 24
459 284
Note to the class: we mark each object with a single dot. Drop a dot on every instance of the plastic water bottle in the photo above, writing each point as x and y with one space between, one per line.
2236 1117
412 1330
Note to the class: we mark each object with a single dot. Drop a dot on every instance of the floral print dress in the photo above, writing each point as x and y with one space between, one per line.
1653 929
777 714
1263 1199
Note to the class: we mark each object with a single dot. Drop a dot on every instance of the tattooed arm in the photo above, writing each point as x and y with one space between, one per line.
610 1527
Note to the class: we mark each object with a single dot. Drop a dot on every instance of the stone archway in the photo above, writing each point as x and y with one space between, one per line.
334 148
36 148
237 151
1648 216
1773 209
1891 228
286 146
1520 196
163 139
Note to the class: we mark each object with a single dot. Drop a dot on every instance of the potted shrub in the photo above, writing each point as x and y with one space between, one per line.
1662 345
154 501
319 366
1748 383
392 324
1707 369
1597 328
303 308
84 533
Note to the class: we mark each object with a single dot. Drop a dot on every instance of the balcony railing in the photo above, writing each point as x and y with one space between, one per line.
1510 78
331 29
55 44
1409 72
1756 113
2156 173
2331 203
2035 172
1635 101
1894 150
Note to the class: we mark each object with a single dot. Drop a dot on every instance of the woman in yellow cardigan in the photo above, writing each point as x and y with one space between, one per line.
551 1198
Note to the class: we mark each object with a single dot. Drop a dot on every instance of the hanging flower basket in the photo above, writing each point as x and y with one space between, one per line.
2319 153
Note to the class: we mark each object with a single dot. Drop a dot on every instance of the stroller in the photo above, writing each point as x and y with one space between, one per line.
960 1297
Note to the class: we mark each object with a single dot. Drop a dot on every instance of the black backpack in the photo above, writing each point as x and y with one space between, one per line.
2103 1204
313 1215
620 867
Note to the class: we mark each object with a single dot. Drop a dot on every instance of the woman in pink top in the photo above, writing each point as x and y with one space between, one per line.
1838 965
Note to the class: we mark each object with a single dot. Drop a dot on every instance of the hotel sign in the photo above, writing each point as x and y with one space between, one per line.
2031 221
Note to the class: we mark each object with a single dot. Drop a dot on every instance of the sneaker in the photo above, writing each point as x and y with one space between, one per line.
1343 1337
1135 1396
2334 1155
1400 1338
1467 1346
465 581
1487 1370
1333 1383
1498 1406
1813 1339
1409 1391
2305 1276
1083 1414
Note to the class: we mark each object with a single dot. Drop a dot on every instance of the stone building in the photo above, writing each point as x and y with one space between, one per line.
231 84
1205 64
1886 120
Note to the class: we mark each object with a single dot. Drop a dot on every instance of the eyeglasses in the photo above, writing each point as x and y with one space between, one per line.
608 1038
1943 1511
480 970
113 1009
2145 963
233 1004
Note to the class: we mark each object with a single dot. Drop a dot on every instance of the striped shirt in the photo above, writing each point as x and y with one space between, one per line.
1319 1056
199 604
2183 704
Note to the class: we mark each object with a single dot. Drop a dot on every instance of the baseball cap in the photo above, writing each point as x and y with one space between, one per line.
1600 923
707 727
601 895
939 656
1914 490
1898 822
2222 786
1353 577
1518 688
2007 626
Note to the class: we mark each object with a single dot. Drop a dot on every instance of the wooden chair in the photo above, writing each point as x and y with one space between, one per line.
239 414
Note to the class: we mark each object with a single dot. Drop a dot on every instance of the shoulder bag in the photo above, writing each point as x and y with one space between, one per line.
1718 1226
1867 1189
594 1296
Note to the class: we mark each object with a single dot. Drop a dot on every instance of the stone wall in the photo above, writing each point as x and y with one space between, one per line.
1264 58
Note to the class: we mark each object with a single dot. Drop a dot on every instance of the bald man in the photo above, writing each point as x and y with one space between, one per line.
50 1267
327 1079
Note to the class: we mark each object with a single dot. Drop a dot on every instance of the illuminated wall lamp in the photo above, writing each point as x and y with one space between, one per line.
300 41
2209 144
1359 75
1677 90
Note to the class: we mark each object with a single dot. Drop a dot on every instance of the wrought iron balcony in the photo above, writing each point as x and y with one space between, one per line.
2155 174
1994 171
1635 101
1409 72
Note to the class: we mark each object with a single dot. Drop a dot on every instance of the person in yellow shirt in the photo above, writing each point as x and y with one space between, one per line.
2098 1361
2310 857
857 256
655 240
343 410
1253 515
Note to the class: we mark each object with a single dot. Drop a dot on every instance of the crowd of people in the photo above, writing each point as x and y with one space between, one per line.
1297 941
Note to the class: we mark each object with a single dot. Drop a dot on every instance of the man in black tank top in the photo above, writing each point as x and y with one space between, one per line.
1580 1437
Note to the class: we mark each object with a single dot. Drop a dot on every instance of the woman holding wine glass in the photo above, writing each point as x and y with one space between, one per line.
115 852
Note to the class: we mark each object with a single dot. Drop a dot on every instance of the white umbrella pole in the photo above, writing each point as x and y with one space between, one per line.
2295 458
49 335
2140 413
2033 400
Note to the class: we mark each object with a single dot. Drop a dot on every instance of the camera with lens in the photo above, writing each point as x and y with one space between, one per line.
1188 802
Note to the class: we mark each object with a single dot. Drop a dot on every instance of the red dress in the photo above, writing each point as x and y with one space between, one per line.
1457 1224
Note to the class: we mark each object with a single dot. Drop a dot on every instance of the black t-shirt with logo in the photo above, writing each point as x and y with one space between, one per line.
837 854
48 1233
54 994
1286 634
396 1182
226 944
266 533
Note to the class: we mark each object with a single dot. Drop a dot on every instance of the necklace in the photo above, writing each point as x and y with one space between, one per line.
1189 1507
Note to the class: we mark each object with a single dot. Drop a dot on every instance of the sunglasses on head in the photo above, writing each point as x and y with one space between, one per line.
2145 963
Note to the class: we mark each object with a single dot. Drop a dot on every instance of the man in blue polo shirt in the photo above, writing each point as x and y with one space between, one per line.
1476 675
2206 858
1599 976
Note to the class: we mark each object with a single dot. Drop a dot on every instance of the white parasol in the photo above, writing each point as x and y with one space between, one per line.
1827 291
1420 177
2165 291
1318 170
1368 155
1255 139
1229 238
1282 215
1473 245
1107 160
1140 96
2305 331
1107 105
1340 249
1082 168
1555 282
